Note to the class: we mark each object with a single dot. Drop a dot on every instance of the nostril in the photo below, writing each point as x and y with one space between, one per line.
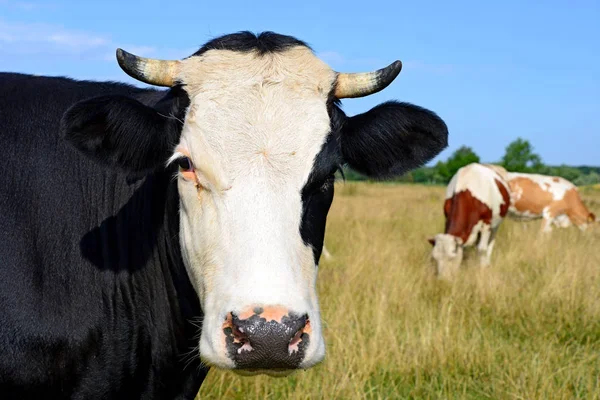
239 336
301 334
269 337
237 333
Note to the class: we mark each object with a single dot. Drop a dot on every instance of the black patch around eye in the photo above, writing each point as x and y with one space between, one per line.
185 163
316 201
317 194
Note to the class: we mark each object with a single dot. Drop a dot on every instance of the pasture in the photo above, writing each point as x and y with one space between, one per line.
527 328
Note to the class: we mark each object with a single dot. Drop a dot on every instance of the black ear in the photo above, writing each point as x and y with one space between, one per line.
392 138
122 132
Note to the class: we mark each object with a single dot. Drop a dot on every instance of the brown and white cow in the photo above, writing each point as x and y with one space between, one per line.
552 198
477 200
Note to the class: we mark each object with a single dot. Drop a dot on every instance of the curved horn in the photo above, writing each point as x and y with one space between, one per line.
148 70
364 84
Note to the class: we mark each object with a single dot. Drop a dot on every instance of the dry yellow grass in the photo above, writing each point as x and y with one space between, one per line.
527 328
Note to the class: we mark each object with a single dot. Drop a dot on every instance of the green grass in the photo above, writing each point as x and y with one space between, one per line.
527 328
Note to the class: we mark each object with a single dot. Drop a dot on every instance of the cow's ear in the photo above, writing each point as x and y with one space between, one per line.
122 132
392 138
431 241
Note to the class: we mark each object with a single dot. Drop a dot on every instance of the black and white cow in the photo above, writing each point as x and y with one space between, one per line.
142 231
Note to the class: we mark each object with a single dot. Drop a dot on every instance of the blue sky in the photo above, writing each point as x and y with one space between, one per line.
493 70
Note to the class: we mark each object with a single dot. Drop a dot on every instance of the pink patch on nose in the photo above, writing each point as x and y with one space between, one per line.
270 313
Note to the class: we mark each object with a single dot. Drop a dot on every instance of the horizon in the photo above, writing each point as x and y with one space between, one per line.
493 72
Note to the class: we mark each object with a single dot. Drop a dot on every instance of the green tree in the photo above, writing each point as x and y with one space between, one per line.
440 172
569 173
590 179
461 157
519 157
424 175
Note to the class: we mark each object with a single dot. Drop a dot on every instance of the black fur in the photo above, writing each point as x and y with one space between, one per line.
263 43
121 131
392 138
94 297
317 194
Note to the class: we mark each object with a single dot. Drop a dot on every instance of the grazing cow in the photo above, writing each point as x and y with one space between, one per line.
553 199
477 200
142 230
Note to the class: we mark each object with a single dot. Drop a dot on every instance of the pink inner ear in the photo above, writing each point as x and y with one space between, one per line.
431 241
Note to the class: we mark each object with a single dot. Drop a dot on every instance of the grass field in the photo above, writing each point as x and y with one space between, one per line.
527 328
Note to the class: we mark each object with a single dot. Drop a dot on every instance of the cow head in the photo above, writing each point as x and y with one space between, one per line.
587 222
447 254
253 126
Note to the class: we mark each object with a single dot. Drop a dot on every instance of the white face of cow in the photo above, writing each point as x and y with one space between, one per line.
253 129
447 254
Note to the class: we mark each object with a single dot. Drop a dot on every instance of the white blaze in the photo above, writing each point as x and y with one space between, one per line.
253 129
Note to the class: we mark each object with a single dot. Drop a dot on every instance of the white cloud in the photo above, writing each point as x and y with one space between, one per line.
18 38
76 40
41 41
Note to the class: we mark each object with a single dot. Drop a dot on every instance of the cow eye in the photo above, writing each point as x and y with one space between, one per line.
185 164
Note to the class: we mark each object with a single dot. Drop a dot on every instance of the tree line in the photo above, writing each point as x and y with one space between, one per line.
519 156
